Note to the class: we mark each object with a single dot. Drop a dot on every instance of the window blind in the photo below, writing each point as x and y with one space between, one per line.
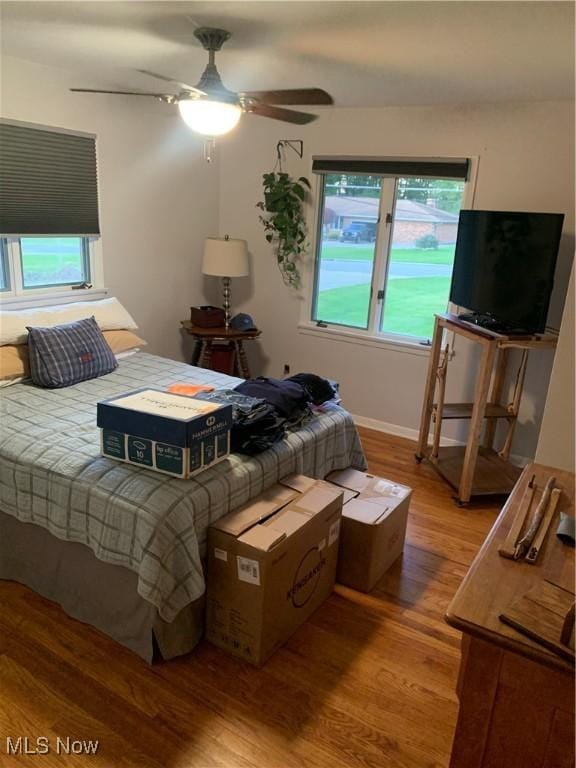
48 182
451 168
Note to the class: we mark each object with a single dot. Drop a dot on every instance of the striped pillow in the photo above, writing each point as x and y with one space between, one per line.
66 354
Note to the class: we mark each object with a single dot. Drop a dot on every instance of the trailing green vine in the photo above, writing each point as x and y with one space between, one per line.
283 221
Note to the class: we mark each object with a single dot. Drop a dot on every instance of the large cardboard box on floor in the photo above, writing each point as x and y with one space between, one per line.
270 566
373 527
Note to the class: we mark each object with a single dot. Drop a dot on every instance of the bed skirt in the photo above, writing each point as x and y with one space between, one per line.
96 593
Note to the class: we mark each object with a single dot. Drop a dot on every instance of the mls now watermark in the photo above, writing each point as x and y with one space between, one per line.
42 745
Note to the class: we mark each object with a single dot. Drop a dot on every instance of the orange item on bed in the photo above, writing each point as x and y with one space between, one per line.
189 389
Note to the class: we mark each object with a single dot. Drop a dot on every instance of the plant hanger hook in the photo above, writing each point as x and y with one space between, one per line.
296 145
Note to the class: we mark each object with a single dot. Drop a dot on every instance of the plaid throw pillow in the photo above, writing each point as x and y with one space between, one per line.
65 354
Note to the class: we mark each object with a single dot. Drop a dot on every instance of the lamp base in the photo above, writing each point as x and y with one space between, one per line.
226 304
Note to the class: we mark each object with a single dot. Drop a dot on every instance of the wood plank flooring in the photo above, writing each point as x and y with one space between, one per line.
368 682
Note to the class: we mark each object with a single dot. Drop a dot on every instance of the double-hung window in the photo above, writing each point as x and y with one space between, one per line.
46 264
385 243
49 226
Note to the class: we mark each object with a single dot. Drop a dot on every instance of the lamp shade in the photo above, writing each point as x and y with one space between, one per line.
225 257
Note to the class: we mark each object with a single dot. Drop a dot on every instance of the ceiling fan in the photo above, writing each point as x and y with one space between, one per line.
211 109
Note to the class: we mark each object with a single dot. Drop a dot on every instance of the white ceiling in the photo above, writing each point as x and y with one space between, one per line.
363 53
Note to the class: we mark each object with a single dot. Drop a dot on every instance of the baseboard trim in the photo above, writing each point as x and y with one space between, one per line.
412 434
396 429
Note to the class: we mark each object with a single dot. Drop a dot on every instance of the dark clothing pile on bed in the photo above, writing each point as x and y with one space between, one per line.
288 398
257 431
319 390
256 424
263 408
242 405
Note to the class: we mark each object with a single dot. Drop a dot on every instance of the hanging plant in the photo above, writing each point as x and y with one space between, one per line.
283 221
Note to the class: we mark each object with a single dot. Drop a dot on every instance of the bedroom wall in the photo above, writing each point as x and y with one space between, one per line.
158 197
525 163
556 442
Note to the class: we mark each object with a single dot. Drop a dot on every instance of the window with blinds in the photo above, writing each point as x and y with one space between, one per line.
49 183
48 208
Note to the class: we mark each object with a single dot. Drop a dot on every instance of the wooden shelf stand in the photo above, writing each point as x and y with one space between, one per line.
475 469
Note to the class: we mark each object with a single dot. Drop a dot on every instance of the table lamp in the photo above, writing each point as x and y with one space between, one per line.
225 257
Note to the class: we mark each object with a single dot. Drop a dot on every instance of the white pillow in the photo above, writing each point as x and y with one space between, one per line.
109 313
127 353
9 382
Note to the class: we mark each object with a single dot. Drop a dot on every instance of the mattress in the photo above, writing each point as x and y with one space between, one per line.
52 475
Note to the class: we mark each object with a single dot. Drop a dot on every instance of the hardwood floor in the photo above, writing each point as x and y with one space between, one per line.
369 681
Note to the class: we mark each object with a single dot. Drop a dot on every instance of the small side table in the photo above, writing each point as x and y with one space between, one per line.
207 338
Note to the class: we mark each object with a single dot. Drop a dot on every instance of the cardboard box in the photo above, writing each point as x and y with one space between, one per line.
373 527
167 432
270 566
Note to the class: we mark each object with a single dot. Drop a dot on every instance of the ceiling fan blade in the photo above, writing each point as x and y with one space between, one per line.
169 80
277 113
291 96
124 93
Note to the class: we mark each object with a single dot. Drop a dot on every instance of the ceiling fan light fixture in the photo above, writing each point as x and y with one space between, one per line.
210 118
212 110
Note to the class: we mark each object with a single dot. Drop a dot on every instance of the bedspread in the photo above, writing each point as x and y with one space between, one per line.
52 475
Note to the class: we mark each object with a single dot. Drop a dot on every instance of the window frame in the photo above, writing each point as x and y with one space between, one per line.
371 336
5 268
16 293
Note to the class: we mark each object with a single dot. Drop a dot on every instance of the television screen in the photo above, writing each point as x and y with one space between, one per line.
504 266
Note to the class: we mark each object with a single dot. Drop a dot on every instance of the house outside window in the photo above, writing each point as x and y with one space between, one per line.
385 247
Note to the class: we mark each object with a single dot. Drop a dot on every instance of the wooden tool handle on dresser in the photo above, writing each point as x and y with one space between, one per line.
538 540
508 548
524 543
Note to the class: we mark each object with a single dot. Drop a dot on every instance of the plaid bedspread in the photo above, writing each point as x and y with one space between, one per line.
51 474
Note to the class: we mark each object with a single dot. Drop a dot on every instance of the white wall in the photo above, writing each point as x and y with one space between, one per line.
526 163
158 197
556 442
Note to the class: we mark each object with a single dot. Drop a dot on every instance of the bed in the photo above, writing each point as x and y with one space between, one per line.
118 546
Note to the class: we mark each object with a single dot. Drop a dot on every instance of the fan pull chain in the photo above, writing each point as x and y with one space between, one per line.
209 149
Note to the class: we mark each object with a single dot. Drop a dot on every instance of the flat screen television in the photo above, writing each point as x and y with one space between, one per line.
504 268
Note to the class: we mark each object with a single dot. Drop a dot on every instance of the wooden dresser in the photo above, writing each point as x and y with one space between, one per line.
516 697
